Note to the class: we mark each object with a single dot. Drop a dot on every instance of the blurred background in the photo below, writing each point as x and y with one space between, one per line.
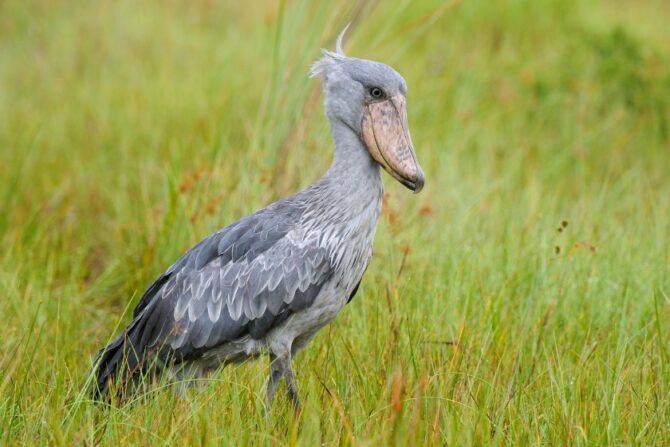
517 298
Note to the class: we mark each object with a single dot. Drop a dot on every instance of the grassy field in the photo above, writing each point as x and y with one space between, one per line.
522 298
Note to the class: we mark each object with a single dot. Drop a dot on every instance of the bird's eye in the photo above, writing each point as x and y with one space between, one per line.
376 92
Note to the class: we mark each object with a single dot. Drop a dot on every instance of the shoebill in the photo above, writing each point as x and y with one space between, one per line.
266 284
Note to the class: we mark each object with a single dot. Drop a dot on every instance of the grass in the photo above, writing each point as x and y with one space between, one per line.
521 298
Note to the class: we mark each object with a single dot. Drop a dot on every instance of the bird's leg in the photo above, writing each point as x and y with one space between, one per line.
280 366
291 385
275 377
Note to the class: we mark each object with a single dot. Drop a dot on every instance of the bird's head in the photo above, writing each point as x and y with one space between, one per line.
369 98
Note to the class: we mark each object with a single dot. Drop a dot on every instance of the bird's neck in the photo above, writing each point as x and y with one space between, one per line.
353 170
350 199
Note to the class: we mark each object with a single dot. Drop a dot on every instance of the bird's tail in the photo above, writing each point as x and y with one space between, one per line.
140 349
119 363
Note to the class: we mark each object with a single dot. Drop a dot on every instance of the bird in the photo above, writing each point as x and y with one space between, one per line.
264 285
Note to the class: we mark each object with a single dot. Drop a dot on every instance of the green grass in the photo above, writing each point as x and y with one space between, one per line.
130 130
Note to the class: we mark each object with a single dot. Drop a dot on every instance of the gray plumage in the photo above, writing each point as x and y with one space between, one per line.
268 282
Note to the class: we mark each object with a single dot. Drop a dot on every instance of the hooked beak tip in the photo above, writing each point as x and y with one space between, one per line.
415 185
418 183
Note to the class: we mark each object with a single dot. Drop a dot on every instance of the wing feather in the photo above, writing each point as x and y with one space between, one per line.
249 297
245 279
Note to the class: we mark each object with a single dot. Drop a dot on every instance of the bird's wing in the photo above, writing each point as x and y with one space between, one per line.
245 279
